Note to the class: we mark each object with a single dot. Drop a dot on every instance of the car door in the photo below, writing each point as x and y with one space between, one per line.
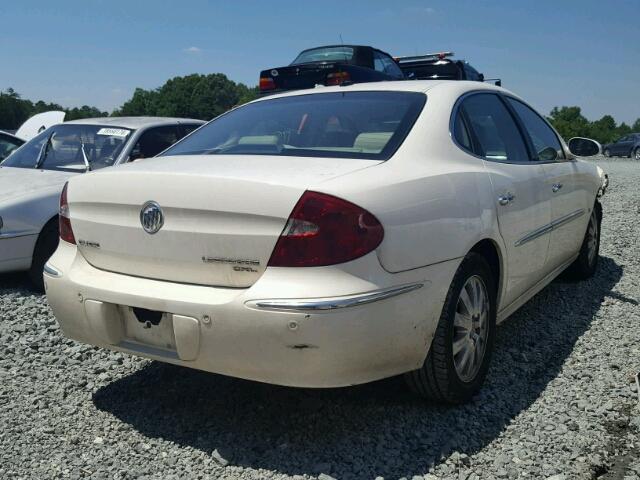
523 204
621 147
564 181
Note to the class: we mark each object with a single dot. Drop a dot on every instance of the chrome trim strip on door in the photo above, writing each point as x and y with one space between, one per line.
551 226
16 234
320 304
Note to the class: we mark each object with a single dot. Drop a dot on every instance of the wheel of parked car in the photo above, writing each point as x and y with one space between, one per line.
45 246
636 153
459 357
607 152
585 265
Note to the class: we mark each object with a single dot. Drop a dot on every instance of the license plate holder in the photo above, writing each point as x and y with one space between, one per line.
149 327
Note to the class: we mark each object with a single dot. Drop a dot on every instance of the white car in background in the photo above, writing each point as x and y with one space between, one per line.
32 177
8 143
331 237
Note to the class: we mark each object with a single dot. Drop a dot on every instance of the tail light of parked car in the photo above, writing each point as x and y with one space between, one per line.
325 230
64 221
337 78
267 83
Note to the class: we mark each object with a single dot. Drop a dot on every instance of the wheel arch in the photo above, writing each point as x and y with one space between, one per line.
48 224
491 252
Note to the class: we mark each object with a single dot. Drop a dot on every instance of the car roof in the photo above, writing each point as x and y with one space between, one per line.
335 46
422 86
133 122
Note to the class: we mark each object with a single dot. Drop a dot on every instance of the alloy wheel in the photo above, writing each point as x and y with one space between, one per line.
470 328
637 155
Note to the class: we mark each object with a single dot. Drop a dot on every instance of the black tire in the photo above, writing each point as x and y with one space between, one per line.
586 264
45 246
438 378
636 154
607 152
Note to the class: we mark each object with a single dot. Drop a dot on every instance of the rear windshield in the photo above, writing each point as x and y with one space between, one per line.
368 125
324 54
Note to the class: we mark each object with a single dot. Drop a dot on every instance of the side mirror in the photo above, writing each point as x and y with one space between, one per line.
584 147
548 154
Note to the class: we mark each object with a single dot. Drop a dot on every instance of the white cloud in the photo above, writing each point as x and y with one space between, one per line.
421 10
193 50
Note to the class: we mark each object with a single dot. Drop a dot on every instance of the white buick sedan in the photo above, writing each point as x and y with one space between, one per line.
331 237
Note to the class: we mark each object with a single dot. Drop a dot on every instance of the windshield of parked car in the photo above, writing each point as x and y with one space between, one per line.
71 147
324 54
7 145
368 125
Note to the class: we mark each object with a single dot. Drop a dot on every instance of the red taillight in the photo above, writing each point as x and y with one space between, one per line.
337 78
325 230
64 222
267 83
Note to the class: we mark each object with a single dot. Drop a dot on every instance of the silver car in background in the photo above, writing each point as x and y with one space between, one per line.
32 177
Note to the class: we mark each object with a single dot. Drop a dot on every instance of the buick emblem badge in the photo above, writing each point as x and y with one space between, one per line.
151 217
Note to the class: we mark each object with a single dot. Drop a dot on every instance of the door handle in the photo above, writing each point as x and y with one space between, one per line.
556 187
506 199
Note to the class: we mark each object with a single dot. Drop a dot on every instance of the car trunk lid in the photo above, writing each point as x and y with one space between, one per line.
222 215
307 75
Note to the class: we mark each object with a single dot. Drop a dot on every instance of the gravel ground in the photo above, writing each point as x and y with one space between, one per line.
558 402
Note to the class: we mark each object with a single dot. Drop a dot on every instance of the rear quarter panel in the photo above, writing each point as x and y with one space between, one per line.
434 200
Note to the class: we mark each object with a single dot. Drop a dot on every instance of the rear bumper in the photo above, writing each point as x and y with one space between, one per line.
350 330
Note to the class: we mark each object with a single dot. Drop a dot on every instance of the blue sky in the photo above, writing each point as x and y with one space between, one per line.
584 53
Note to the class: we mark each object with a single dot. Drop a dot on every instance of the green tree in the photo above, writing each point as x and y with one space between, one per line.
143 102
14 110
569 122
192 96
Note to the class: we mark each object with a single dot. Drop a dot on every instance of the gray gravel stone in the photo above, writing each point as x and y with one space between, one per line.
557 404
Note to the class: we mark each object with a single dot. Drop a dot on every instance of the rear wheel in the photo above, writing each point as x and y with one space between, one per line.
585 265
45 246
459 357
636 154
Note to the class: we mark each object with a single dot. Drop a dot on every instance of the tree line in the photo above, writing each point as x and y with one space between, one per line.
207 96
14 110
570 122
193 96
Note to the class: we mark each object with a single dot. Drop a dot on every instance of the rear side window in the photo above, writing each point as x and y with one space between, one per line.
385 64
545 142
368 125
494 128
461 133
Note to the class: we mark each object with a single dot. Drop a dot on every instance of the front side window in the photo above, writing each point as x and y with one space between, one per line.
545 142
70 147
324 54
154 141
367 125
494 127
